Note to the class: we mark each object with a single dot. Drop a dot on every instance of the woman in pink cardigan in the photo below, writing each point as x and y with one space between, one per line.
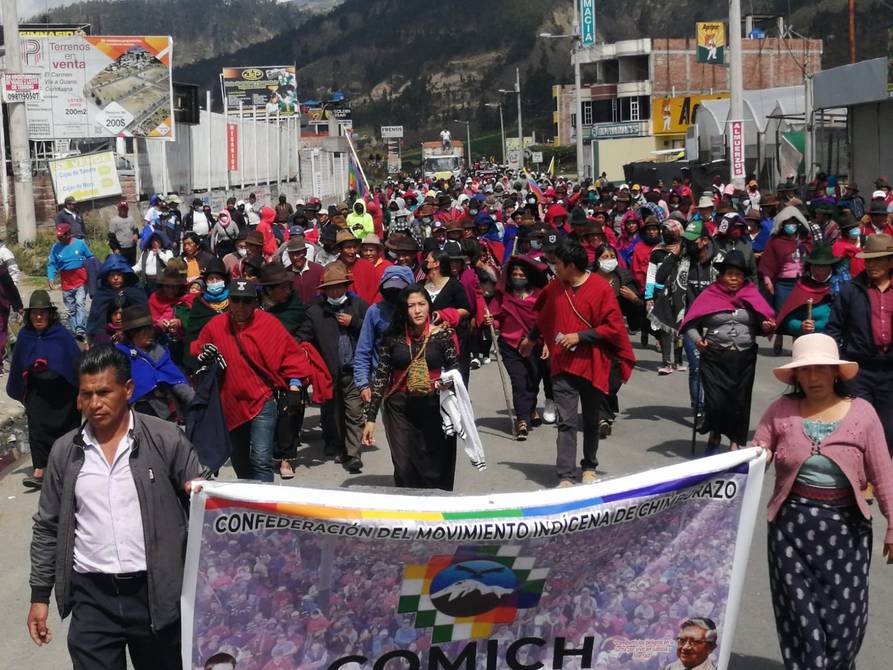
827 449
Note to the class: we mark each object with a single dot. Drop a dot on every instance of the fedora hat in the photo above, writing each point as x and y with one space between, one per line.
753 215
274 274
733 259
402 242
372 239
454 249
255 238
40 299
877 246
344 236
295 244
215 266
815 349
136 316
172 277
822 254
335 275
705 201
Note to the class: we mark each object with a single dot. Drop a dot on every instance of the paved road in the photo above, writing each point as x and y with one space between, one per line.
654 430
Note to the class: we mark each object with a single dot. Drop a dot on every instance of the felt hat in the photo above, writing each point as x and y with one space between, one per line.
815 349
822 254
454 249
294 244
705 201
273 274
877 246
371 239
40 299
335 275
136 316
254 238
876 207
753 215
402 242
215 266
172 277
345 236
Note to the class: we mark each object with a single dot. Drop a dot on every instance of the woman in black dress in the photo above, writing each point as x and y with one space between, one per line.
423 456
449 305
42 377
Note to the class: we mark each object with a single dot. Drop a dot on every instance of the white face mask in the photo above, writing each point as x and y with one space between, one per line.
335 302
608 265
242 251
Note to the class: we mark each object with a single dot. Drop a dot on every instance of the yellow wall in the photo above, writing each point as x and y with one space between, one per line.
614 154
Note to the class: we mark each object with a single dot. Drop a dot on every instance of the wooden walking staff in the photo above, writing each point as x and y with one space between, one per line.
505 390
809 309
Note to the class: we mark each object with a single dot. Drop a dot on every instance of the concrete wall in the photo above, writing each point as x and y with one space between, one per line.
871 143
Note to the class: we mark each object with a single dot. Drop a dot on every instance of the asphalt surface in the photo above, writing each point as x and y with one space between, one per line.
653 430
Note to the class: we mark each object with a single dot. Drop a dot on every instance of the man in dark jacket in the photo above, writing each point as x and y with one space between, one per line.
332 324
862 323
110 530
69 214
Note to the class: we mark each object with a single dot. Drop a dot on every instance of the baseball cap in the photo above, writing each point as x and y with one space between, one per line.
242 288
693 230
63 229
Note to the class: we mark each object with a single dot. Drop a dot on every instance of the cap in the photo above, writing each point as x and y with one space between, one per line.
63 229
242 288
694 230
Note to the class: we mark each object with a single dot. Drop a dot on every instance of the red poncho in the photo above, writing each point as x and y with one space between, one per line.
597 305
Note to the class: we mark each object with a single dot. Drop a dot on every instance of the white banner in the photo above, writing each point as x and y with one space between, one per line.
560 578
22 88
391 132
736 149
86 177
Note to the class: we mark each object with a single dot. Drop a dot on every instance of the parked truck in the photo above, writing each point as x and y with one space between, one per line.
439 162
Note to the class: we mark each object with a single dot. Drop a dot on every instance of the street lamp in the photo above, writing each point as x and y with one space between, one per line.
578 97
501 125
468 135
517 91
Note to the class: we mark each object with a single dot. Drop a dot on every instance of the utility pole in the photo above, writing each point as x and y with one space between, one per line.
578 95
736 86
852 8
20 152
520 132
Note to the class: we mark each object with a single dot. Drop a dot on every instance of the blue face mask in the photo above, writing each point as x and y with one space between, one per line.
854 232
790 228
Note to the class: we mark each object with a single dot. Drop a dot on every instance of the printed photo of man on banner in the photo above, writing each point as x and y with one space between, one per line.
639 572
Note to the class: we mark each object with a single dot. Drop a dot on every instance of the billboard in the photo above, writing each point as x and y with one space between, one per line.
593 576
85 177
673 116
711 39
100 86
271 88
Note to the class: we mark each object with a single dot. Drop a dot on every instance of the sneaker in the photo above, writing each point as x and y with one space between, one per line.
589 476
475 364
664 370
549 413
486 360
521 430
353 465
565 484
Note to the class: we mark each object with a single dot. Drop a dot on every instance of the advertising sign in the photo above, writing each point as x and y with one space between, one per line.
86 177
736 145
711 40
302 578
232 147
673 116
21 88
587 22
609 131
391 132
270 88
100 86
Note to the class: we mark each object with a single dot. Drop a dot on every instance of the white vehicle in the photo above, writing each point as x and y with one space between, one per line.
440 163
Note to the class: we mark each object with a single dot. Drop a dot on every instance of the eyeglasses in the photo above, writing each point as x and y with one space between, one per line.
682 641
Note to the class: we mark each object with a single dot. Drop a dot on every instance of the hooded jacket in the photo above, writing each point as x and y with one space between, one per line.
104 297
378 318
224 231
265 228
364 221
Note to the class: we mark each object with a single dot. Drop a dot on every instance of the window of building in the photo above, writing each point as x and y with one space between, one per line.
634 109
573 120
603 111
587 112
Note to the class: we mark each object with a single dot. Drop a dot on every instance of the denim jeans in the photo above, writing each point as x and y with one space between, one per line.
695 389
75 301
252 443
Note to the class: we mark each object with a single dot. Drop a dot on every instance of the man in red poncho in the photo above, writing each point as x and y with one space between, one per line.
581 323
365 278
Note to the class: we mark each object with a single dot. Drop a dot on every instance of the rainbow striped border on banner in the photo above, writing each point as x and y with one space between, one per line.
349 514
